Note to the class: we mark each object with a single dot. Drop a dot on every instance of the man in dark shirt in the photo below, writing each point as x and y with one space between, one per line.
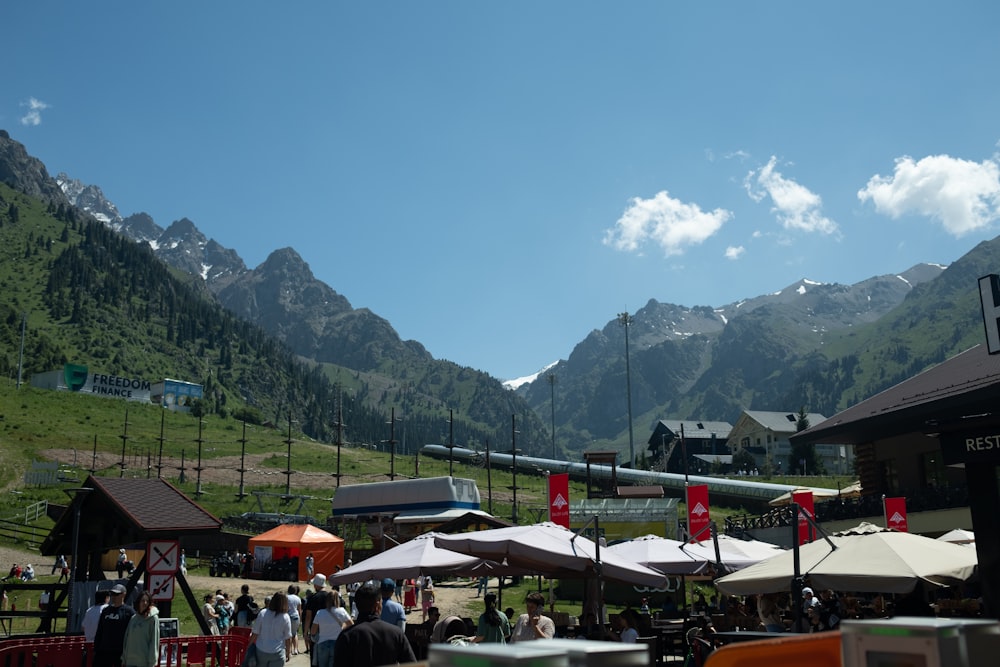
110 637
371 642
312 606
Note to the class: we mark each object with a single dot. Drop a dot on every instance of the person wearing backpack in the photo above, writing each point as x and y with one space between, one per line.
244 615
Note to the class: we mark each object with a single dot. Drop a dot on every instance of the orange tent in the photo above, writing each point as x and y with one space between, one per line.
298 541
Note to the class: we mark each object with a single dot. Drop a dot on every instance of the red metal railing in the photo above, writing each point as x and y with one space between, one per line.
59 651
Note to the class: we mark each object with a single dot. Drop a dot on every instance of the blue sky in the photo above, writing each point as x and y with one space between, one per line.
499 179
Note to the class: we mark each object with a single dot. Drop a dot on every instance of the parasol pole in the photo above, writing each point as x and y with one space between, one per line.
597 563
796 568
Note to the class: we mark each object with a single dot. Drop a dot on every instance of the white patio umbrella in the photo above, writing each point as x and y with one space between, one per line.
867 558
819 495
552 551
736 554
662 553
411 559
959 536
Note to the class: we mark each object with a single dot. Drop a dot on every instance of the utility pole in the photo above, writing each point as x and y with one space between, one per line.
392 445
159 457
20 355
489 479
288 464
513 465
625 320
201 441
451 443
340 429
243 456
124 437
552 401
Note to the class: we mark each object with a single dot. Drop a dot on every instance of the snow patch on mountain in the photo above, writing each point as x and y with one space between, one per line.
527 379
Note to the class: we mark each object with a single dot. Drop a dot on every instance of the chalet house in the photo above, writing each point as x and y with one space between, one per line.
766 436
704 441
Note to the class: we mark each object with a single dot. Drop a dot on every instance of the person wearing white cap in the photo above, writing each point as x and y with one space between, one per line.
809 601
120 564
313 604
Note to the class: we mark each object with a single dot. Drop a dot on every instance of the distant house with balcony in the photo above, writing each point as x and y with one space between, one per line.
704 442
766 436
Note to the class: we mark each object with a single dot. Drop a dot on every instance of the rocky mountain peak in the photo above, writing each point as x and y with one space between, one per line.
27 174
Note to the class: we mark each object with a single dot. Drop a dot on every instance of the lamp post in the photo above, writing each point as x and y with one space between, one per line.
78 496
625 320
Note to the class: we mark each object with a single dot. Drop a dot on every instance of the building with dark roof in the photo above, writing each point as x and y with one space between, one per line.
934 434
706 438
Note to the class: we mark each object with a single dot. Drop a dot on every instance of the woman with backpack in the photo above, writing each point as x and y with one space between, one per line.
244 614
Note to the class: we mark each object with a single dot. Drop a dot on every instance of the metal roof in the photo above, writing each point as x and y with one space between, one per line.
965 385
126 511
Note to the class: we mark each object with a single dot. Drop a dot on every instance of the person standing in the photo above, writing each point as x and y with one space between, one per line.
392 611
294 615
482 586
312 605
493 626
533 625
93 616
409 595
310 561
326 628
426 595
371 642
272 632
211 617
141 646
110 636
242 603
222 614
59 564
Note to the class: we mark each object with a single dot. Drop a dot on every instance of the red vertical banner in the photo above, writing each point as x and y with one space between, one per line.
699 516
804 499
895 514
559 499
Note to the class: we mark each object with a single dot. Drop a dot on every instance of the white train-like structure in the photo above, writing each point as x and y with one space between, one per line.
731 492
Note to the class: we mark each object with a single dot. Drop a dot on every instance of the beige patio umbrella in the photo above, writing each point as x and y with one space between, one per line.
552 551
819 495
867 558
959 536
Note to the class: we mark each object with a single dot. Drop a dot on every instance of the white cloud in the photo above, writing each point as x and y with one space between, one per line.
666 221
34 115
960 194
795 205
734 252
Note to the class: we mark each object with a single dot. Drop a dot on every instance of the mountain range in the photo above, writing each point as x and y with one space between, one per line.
812 345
